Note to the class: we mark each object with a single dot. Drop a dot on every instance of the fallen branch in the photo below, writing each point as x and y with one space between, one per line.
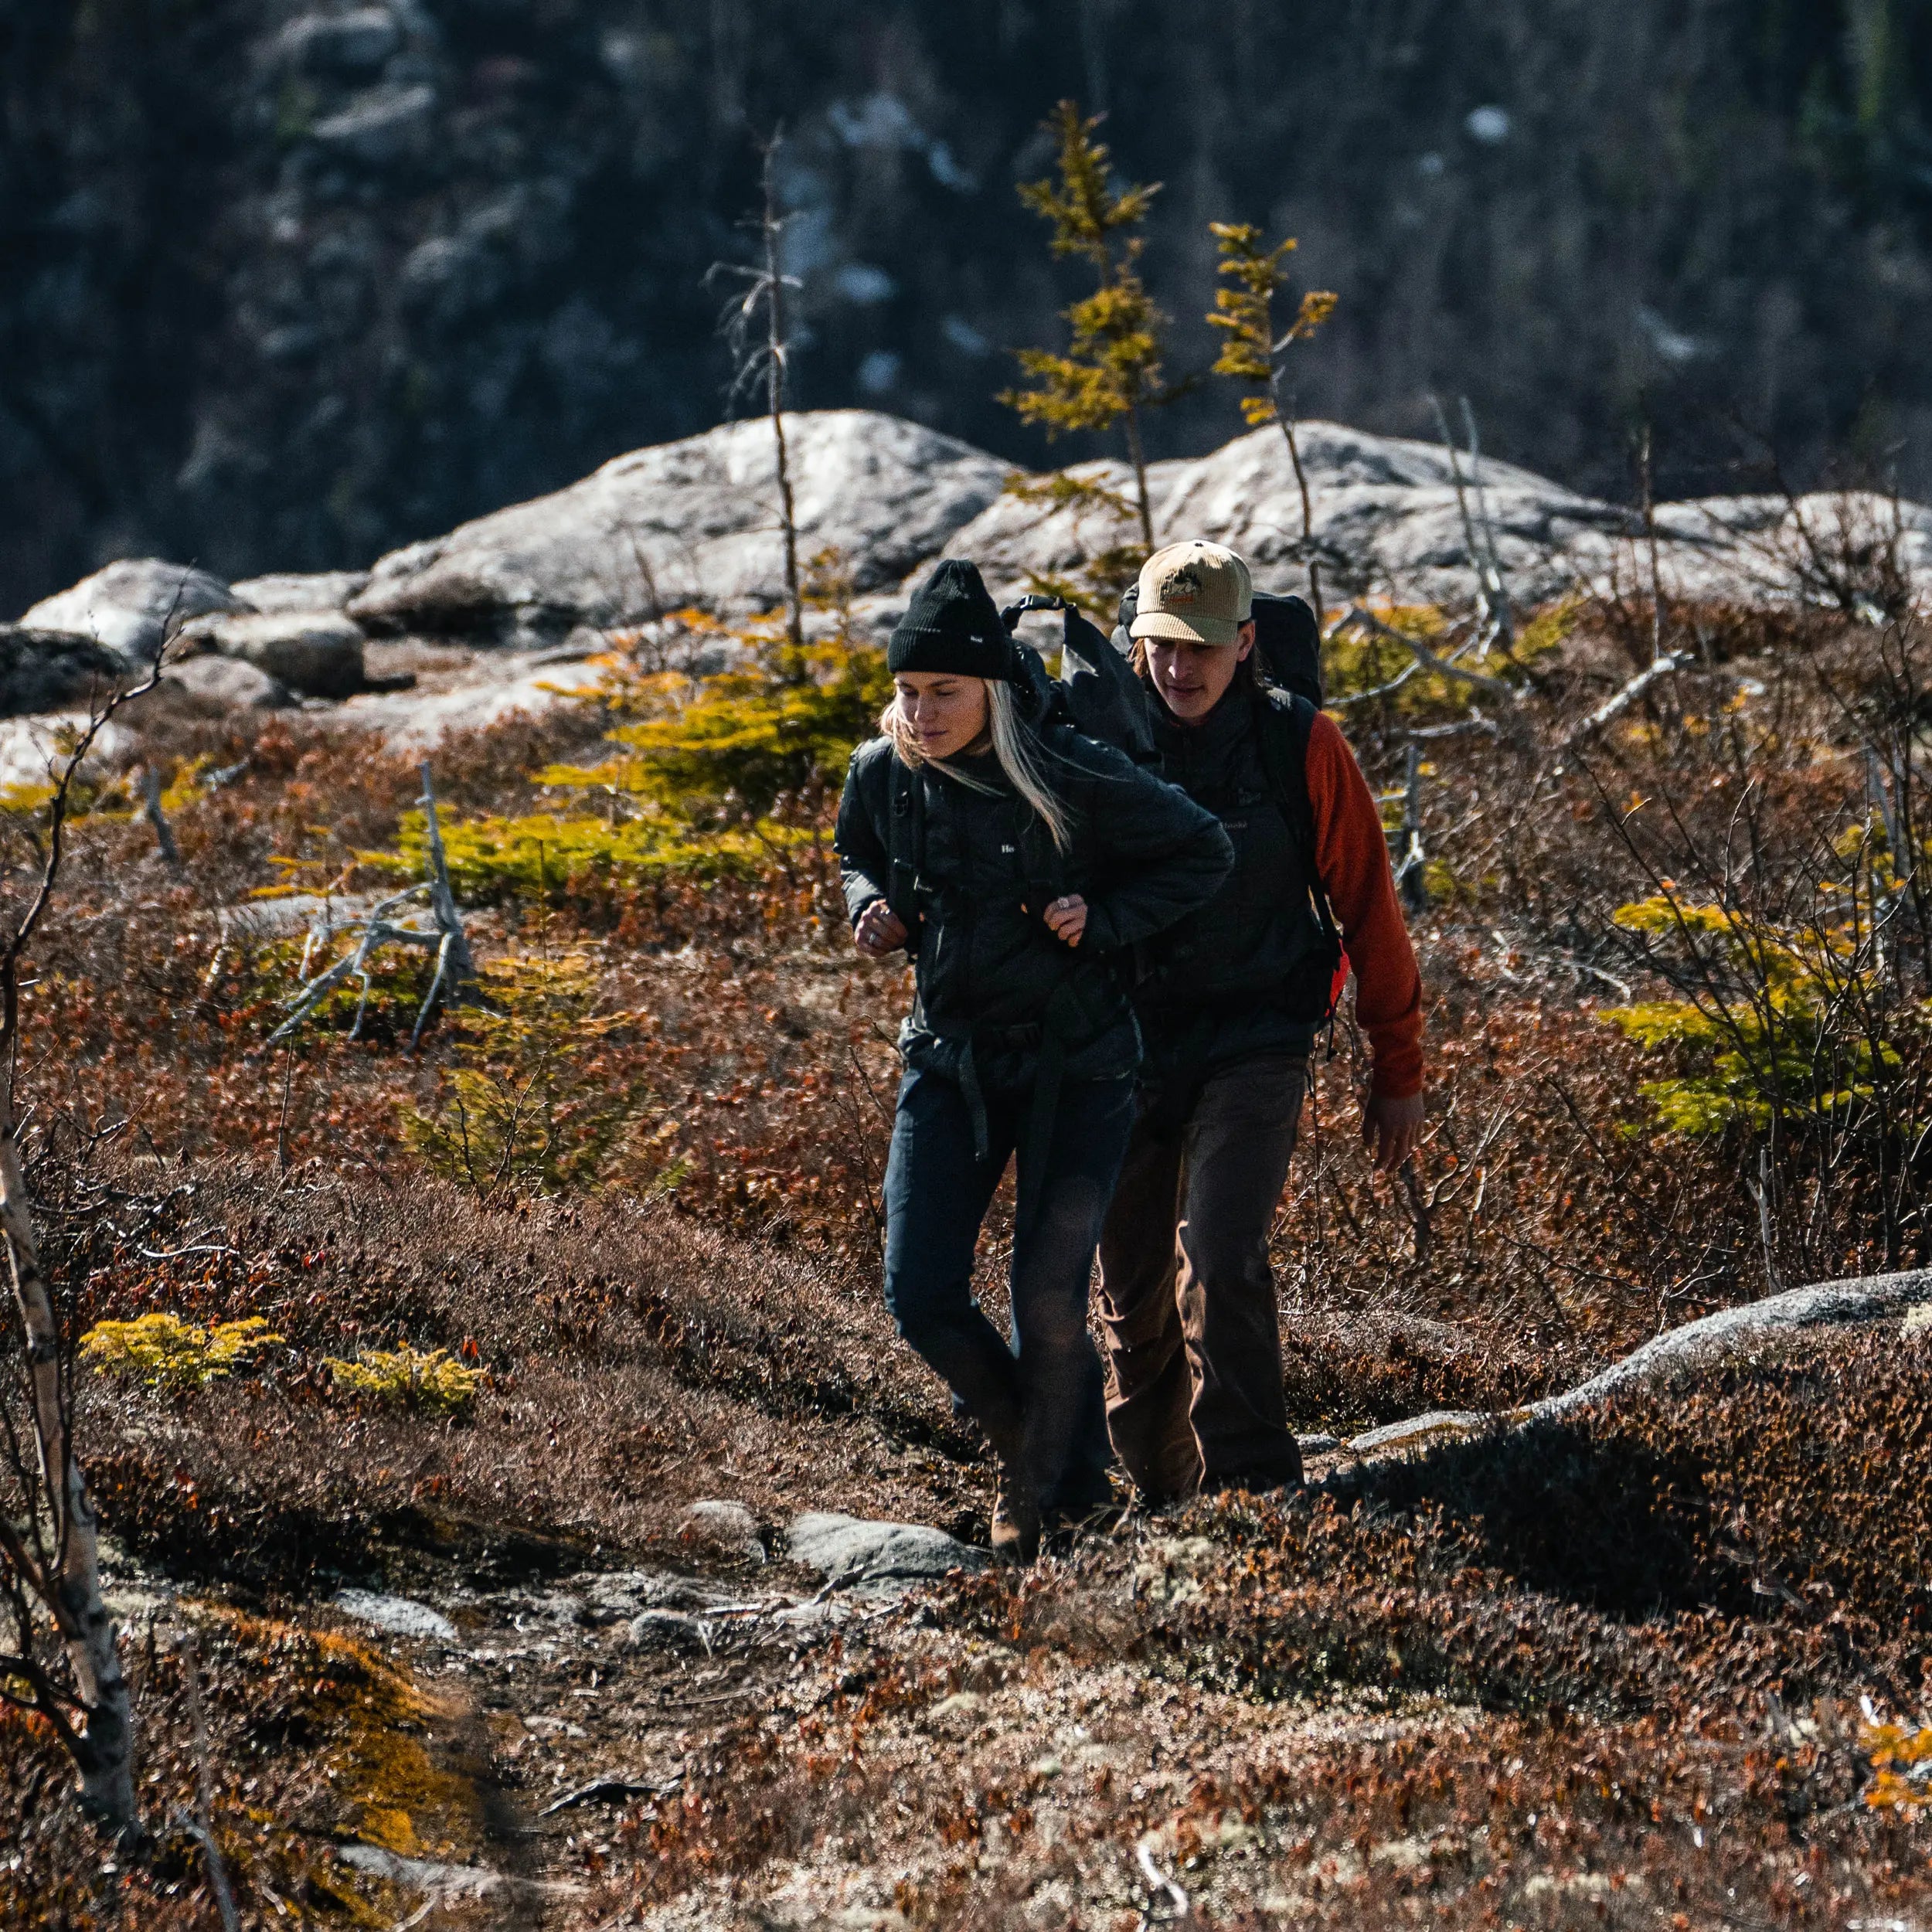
609 1790
455 963
1426 659
1621 701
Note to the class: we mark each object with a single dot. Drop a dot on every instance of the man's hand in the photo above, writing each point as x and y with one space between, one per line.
1066 919
880 931
1391 1128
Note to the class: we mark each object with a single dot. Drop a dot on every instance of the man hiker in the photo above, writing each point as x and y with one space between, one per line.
1230 998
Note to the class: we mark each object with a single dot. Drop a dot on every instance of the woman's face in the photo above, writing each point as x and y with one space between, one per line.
944 712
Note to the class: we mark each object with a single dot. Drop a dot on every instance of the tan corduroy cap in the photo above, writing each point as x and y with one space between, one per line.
1199 592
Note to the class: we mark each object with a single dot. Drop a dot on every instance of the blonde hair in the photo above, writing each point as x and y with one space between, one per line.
1016 748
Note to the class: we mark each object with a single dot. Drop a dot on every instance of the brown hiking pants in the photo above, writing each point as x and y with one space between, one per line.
1187 1296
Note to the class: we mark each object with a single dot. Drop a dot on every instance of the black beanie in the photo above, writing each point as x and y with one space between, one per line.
954 625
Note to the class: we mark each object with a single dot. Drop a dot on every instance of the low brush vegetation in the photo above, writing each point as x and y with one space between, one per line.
474 1325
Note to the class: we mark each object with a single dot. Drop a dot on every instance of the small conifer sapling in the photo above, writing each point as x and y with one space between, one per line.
1111 372
1252 353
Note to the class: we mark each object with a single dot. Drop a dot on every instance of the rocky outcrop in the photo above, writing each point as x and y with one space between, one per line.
501 615
694 522
47 670
231 683
1388 521
1823 1304
300 590
126 608
318 653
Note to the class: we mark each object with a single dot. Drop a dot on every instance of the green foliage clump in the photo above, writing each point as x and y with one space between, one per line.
782 721
431 1381
542 855
1110 373
166 1352
537 1098
780 725
1783 1022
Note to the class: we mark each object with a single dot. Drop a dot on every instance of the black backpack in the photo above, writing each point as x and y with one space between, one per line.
1100 694
1287 641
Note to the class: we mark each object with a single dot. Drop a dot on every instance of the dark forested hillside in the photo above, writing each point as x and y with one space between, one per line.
283 284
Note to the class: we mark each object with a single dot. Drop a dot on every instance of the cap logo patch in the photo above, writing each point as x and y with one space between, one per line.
1180 585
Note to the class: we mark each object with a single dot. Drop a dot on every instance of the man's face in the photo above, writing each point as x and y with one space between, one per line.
1192 678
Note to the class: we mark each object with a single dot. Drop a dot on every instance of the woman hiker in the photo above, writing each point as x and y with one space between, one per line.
1229 1001
1015 861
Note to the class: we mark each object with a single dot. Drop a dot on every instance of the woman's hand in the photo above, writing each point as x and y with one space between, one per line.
1390 1129
1066 919
880 930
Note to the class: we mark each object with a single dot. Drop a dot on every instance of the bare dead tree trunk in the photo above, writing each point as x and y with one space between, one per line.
1136 454
1307 506
1650 537
763 356
776 349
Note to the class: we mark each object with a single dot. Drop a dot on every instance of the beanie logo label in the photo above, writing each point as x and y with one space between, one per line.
1181 586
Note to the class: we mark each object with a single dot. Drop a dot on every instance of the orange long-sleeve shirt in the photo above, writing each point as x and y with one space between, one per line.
1352 853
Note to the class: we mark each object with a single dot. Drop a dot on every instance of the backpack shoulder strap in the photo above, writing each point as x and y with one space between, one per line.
1283 723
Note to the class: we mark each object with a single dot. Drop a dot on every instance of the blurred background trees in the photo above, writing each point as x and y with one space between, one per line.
285 289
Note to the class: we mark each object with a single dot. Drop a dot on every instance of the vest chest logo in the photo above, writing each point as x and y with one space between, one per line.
1009 850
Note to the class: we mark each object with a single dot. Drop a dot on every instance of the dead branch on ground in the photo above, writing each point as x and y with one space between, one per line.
454 965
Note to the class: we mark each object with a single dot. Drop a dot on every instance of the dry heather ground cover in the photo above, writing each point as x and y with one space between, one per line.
1619 1672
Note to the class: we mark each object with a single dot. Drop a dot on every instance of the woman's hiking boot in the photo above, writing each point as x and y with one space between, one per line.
1016 1519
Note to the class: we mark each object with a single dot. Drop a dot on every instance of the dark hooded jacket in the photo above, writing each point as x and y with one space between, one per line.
978 869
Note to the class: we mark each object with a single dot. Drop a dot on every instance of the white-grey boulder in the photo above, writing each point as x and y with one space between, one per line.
231 682
44 670
318 653
400 1616
693 522
851 1553
33 749
300 590
728 1527
126 606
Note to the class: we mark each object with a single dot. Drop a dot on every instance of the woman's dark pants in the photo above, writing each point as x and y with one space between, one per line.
1042 1396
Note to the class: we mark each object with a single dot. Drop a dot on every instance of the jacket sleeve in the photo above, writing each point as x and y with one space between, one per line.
1159 855
1351 852
864 864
